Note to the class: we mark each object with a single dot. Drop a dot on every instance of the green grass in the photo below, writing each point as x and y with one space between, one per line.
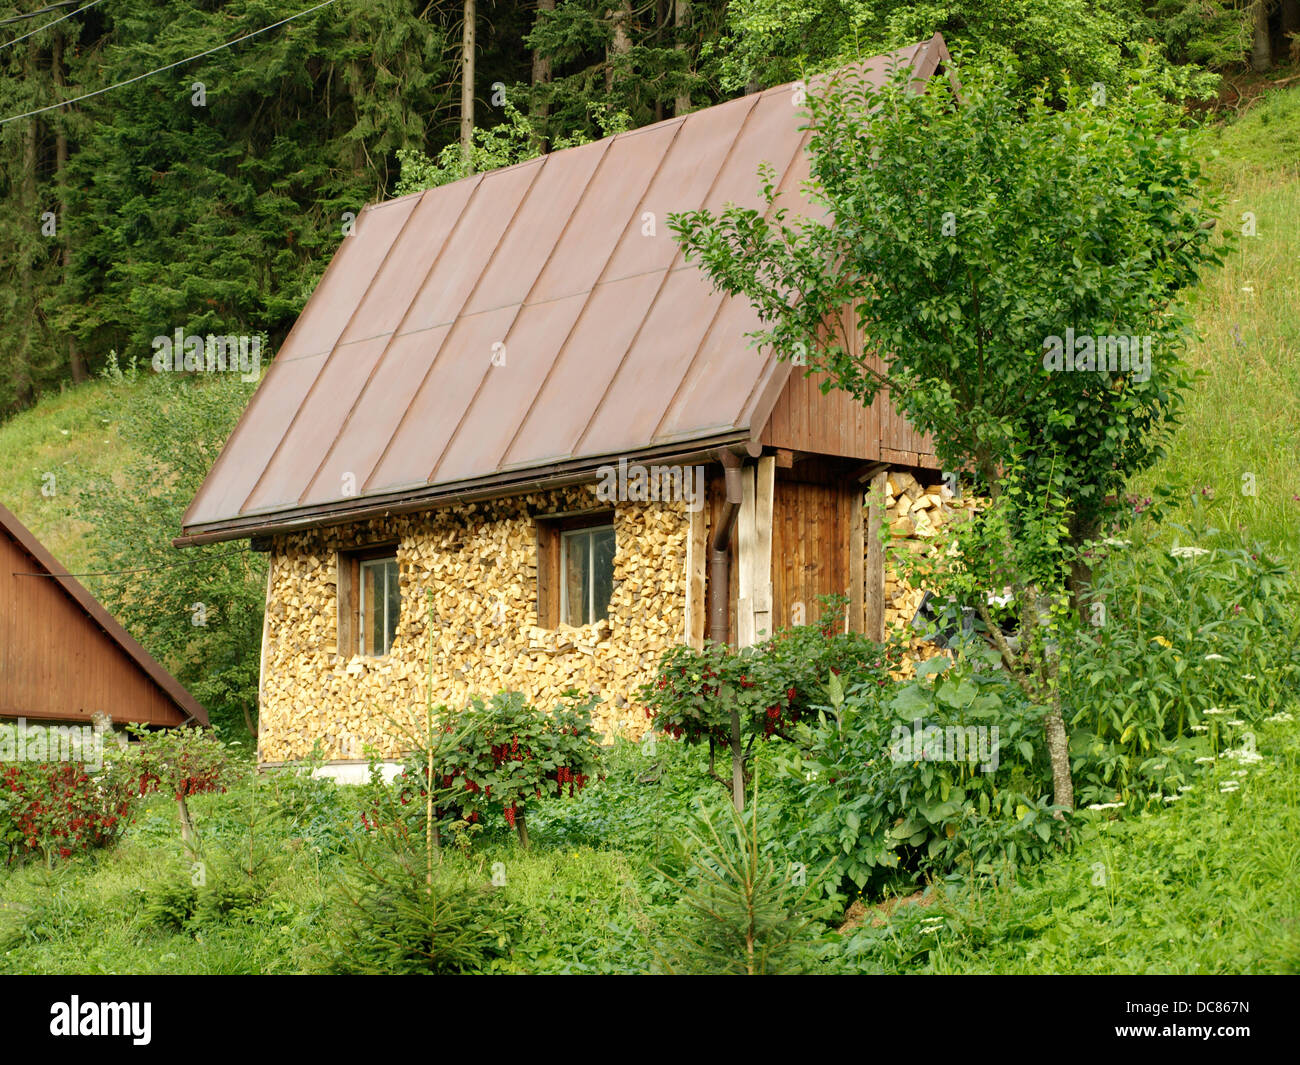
1209 885
1244 415
65 435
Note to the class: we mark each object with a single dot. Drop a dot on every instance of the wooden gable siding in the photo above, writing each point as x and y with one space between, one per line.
56 663
834 423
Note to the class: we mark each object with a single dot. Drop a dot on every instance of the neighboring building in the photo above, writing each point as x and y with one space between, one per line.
427 458
63 657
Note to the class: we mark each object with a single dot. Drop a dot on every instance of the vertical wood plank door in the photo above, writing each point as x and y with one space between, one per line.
810 548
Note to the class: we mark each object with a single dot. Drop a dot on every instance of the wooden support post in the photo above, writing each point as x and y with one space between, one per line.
857 560
873 607
745 557
764 495
697 549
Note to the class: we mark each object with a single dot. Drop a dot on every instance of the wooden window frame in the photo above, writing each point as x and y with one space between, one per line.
349 596
549 574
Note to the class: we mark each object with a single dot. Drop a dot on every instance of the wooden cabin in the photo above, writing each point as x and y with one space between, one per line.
441 460
64 658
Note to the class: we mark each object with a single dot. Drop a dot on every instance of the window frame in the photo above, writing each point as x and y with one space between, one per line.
551 593
351 599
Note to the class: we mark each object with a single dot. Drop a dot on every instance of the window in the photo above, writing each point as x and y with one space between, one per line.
575 569
370 601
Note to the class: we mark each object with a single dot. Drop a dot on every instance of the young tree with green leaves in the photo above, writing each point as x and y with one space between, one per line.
977 237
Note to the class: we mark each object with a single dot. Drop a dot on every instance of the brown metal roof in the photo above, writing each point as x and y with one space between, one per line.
71 655
607 343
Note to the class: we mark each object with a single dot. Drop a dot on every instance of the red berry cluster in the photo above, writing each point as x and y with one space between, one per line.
58 807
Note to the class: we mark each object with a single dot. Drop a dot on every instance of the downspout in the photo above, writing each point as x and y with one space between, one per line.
720 608
720 551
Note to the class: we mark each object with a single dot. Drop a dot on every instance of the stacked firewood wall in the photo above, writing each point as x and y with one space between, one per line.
468 580
917 516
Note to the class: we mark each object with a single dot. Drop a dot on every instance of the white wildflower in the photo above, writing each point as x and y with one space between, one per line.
1215 658
1279 718
1106 806
1188 552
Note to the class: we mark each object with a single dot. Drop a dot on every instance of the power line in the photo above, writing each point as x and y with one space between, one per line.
142 569
169 66
48 24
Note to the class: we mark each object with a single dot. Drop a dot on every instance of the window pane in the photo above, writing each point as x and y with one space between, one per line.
380 605
602 573
577 576
394 603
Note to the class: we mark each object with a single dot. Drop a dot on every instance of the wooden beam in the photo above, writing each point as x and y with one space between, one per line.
784 458
745 559
764 495
266 637
857 560
873 606
697 545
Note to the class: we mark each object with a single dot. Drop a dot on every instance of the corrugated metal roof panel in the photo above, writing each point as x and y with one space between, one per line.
563 267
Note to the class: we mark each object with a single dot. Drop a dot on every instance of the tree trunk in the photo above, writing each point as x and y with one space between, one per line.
542 76
620 43
187 826
1261 49
737 764
681 16
76 364
1058 749
467 85
24 385
521 827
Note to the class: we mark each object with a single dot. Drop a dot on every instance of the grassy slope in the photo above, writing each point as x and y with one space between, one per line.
1213 883
1244 416
66 435
1209 885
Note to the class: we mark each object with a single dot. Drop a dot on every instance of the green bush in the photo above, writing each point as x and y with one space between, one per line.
1192 648
903 778
492 759
774 685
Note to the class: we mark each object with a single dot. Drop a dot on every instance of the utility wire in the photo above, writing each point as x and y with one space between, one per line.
142 569
169 66
38 29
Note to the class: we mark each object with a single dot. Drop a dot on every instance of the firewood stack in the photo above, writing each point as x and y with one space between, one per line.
917 515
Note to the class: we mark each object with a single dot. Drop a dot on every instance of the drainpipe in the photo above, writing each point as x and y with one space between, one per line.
720 582
720 550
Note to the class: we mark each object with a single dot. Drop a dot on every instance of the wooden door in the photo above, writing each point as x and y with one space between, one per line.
810 548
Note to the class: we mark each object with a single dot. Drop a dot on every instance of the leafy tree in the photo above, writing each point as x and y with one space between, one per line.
1033 41
200 615
975 238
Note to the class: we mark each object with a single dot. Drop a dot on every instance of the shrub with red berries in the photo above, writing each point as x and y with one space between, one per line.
495 756
62 808
180 762
774 684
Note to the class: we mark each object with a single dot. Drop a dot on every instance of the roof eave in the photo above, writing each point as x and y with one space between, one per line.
428 497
